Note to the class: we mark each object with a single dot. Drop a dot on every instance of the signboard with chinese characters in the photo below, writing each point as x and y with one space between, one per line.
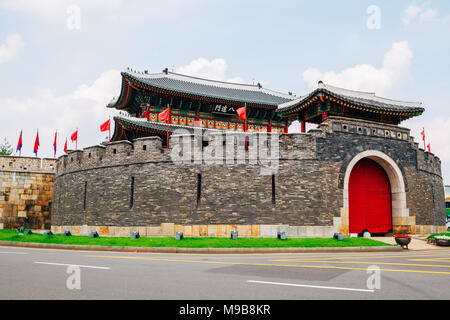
225 109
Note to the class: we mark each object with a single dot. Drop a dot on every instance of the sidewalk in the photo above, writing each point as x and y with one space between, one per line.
418 243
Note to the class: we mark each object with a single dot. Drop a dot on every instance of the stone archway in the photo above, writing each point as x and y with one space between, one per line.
400 213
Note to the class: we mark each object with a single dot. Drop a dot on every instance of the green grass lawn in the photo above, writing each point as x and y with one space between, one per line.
11 235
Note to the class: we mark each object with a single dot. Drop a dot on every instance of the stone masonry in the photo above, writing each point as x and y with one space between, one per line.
26 191
136 186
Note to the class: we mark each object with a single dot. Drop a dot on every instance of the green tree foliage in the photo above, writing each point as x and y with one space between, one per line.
5 148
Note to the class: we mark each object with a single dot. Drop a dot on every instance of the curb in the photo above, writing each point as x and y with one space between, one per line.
198 250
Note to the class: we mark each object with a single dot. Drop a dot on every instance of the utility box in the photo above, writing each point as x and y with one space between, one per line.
179 236
281 236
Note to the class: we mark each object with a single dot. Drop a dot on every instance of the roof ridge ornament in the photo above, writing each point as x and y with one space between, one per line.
321 85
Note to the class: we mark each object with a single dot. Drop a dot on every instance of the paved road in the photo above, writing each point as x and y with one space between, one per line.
42 274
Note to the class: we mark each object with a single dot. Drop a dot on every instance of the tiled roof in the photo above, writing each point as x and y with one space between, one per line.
367 99
243 93
154 126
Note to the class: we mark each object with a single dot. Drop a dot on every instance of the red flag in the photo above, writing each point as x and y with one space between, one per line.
164 116
65 147
423 137
429 147
36 144
74 136
19 144
242 112
105 126
54 144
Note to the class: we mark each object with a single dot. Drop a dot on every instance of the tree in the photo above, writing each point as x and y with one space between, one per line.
5 148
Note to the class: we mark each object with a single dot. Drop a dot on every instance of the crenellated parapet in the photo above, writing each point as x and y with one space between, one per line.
151 150
428 162
205 147
27 164
114 154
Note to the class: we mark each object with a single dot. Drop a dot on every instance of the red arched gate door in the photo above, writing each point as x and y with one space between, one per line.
370 201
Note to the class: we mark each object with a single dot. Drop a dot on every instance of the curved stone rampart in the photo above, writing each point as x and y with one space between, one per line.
139 185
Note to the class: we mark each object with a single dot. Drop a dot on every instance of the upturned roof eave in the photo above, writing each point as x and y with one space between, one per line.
373 105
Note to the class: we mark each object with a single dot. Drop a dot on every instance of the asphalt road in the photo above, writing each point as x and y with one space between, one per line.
45 274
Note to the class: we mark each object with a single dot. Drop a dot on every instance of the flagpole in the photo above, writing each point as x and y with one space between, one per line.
168 121
424 142
245 127
37 137
20 150
76 143
109 134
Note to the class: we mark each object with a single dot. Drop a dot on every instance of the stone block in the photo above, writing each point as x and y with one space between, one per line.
213 231
142 231
104 231
153 231
244 231
256 230
188 231
168 229
124 232
22 214
178 228
269 231
203 230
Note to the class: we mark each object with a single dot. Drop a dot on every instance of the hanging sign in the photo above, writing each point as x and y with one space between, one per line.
225 109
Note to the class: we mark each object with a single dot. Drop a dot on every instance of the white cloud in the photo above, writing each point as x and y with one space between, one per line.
85 108
112 10
11 48
213 70
53 8
366 77
428 15
411 13
423 12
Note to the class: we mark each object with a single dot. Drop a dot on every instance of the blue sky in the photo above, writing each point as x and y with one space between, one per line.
55 77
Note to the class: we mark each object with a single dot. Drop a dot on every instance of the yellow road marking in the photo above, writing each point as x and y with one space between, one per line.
300 259
367 262
263 264
432 260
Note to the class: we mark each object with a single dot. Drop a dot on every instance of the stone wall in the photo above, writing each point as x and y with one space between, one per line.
132 185
26 190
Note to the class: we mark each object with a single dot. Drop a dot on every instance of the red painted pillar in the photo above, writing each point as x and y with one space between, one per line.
303 123
324 115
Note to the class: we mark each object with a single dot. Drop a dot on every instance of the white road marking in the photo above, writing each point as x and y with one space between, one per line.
13 252
309 286
77 265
